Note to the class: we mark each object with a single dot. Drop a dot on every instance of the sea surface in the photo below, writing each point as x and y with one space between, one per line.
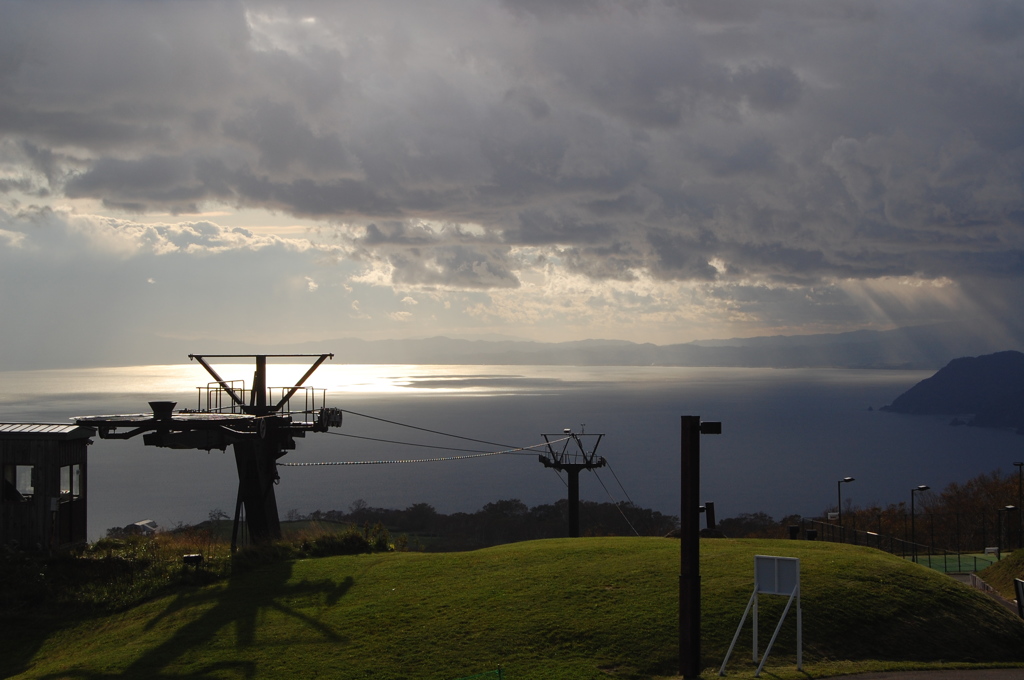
788 436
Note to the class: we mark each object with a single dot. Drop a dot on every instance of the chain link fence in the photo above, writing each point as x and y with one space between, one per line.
968 535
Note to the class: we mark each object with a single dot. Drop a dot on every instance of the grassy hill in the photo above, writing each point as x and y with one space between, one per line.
1001 574
553 609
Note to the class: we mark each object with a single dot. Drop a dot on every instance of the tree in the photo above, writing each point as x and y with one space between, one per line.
751 525
419 517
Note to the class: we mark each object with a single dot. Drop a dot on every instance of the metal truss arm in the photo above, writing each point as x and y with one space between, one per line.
223 383
293 390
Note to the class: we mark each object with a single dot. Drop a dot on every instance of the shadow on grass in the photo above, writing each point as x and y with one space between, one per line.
239 605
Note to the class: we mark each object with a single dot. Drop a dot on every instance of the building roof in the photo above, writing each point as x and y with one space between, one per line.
44 431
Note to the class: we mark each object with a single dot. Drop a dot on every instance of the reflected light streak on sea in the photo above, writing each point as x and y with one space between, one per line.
788 435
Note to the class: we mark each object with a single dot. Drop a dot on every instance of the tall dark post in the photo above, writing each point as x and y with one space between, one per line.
839 500
913 534
913 537
574 502
1020 504
258 399
689 537
999 529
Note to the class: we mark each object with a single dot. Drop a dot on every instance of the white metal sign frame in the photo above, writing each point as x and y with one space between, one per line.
773 576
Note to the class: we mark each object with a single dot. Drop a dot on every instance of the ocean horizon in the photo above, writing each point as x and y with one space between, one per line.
787 436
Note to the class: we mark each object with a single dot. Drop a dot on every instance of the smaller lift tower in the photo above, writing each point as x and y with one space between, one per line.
566 451
261 424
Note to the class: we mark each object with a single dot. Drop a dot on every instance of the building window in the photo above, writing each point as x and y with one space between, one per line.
70 483
18 483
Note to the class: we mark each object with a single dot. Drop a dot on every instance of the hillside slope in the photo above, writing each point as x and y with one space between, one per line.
990 388
583 608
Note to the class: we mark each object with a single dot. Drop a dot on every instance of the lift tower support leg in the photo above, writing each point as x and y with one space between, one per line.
257 470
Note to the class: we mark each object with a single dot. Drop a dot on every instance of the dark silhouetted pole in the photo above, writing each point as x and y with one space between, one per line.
839 493
913 533
574 502
689 539
999 529
1020 504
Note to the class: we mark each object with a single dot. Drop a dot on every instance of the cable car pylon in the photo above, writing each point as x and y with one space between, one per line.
258 428
567 452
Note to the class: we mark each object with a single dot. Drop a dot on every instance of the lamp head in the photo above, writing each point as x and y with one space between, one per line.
847 479
923 487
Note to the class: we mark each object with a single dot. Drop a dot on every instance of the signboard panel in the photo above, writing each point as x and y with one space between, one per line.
773 576
776 575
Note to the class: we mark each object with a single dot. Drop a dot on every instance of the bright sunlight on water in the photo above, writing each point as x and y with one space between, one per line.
788 435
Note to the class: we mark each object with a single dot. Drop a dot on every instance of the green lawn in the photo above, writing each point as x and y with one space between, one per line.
555 609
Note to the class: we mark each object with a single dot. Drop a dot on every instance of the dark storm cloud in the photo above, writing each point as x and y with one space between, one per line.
771 88
797 142
282 139
155 180
307 196
538 227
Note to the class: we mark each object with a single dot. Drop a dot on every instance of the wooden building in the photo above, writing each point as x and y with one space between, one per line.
43 488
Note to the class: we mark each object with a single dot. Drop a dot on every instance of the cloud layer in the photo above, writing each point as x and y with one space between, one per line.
545 169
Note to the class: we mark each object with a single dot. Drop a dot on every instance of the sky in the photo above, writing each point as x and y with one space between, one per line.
647 170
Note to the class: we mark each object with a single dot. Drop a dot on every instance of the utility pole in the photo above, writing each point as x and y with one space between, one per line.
689 539
1020 504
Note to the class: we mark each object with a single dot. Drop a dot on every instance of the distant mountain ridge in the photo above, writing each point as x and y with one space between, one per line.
917 347
988 390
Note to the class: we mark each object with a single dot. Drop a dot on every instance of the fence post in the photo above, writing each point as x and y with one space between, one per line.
931 521
984 541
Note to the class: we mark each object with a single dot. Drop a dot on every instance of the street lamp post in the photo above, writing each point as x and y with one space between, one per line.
999 529
839 493
689 558
1020 504
913 535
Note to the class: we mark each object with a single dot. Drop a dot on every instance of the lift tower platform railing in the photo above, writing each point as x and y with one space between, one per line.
259 430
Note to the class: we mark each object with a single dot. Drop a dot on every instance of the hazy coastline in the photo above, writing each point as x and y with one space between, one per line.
788 434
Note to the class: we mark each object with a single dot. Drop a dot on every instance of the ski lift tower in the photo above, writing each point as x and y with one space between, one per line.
259 429
572 456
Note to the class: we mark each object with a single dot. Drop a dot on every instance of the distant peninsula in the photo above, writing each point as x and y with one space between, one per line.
984 391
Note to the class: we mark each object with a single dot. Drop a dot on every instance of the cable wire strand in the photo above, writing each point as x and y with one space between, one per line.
508 452
620 484
392 441
424 429
617 506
